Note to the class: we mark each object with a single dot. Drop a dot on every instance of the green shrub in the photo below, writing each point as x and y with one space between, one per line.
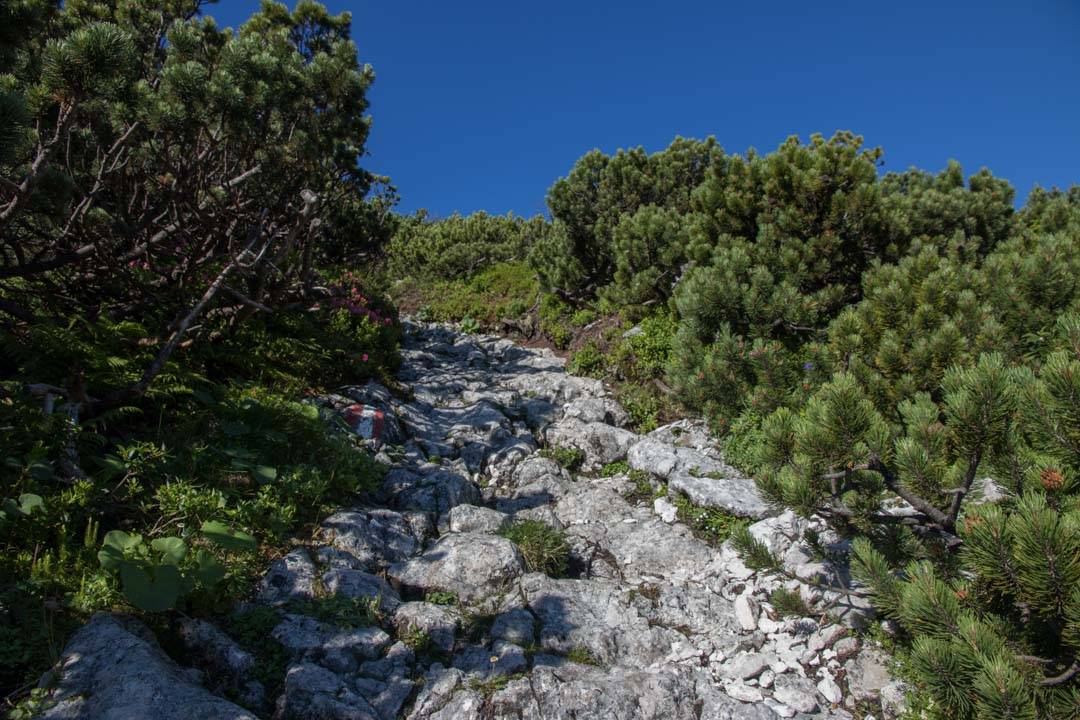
577 257
587 361
440 597
619 467
544 548
568 457
504 290
457 247
649 248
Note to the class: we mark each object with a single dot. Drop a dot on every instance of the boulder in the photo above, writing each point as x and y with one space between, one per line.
708 482
472 518
375 537
435 620
473 566
601 443
114 668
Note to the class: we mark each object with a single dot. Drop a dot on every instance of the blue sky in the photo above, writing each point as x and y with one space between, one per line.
482 105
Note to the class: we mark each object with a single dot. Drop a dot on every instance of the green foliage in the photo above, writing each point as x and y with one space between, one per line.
788 603
649 247
568 457
619 467
577 257
252 627
643 489
755 553
544 548
340 610
503 291
441 597
711 524
418 640
582 656
457 247
587 361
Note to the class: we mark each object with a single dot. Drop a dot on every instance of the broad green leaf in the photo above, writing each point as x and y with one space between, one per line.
41 471
173 548
9 509
152 588
121 540
28 503
234 428
264 474
227 537
241 453
210 571
110 557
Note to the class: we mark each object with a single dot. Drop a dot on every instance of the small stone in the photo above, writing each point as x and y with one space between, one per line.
766 679
867 672
893 699
779 708
769 626
742 692
830 690
516 626
846 647
472 518
746 612
796 693
746 666
667 512
826 637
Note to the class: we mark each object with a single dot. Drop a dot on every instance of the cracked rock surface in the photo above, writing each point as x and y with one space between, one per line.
649 622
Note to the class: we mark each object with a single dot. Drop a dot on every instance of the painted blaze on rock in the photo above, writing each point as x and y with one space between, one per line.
366 421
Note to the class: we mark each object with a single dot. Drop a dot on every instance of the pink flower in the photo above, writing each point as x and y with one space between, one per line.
364 357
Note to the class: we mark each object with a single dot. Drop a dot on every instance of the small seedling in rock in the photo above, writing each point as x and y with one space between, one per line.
710 524
569 458
619 467
418 640
544 548
643 488
788 603
582 656
754 553
441 597
476 624
492 684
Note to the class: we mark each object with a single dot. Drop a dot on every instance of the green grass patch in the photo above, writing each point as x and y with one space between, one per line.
710 524
619 467
441 597
568 457
544 548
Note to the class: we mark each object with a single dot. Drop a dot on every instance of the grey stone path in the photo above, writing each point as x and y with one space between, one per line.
651 622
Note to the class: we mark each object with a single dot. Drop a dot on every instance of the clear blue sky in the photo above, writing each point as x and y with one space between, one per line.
482 105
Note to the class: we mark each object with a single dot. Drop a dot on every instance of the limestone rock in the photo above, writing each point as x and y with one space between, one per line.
114 668
473 566
708 482
471 518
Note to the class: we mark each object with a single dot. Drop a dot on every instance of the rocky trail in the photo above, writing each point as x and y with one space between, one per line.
648 621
